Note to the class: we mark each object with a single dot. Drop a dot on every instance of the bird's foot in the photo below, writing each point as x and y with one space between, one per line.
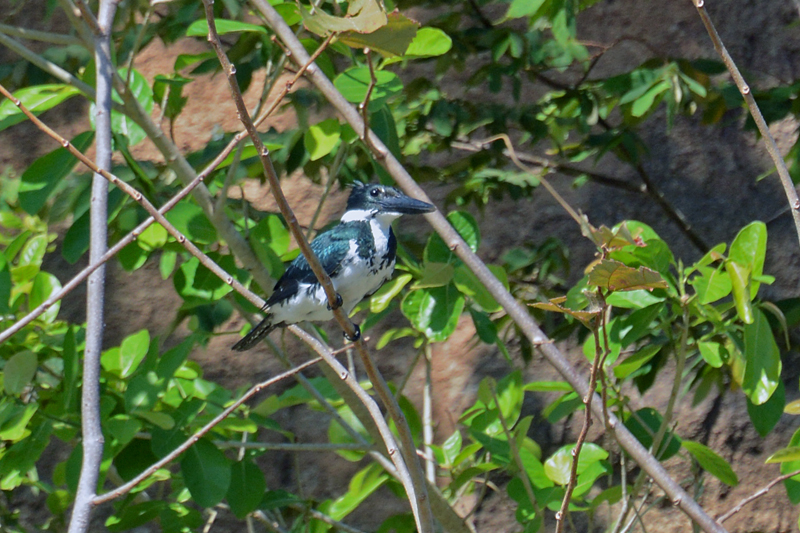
356 334
337 304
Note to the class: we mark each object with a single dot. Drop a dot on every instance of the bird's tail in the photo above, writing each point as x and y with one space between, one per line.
256 334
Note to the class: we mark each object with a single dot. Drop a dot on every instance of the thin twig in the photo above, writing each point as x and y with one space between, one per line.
515 310
127 487
88 18
757 494
42 36
599 358
763 127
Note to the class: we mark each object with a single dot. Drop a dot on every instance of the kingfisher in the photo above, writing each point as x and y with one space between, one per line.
358 254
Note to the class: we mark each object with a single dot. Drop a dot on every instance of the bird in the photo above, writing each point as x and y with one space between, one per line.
358 254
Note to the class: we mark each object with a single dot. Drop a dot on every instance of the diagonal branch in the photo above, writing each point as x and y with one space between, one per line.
763 128
515 310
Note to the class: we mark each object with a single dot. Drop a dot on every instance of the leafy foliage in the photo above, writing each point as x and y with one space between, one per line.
645 304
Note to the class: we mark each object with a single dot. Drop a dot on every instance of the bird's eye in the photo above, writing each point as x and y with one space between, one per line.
375 192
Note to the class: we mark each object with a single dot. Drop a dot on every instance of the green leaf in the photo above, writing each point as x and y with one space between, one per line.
713 353
615 276
790 453
43 175
363 16
321 138
437 251
382 298
5 284
123 428
364 483
713 284
452 447
19 372
740 284
636 299
523 8
636 361
434 312
711 462
429 42
469 285
206 472
644 103
391 40
132 350
134 516
199 28
434 275
247 488
37 99
766 416
644 425
354 83
558 466
484 327
762 360
44 285
748 249
189 219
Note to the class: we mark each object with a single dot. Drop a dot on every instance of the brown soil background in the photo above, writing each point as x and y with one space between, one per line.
708 173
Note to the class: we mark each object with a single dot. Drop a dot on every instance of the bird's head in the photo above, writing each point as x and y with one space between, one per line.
371 200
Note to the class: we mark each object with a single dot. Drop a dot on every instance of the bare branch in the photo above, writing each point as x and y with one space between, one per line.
763 127
757 494
91 429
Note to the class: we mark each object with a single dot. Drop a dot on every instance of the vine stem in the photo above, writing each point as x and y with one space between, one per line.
755 112
514 309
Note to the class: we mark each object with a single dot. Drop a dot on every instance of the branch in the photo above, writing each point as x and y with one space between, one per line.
127 487
91 429
763 128
515 310
757 494
42 36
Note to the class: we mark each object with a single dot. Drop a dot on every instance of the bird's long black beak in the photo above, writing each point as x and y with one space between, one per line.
405 205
